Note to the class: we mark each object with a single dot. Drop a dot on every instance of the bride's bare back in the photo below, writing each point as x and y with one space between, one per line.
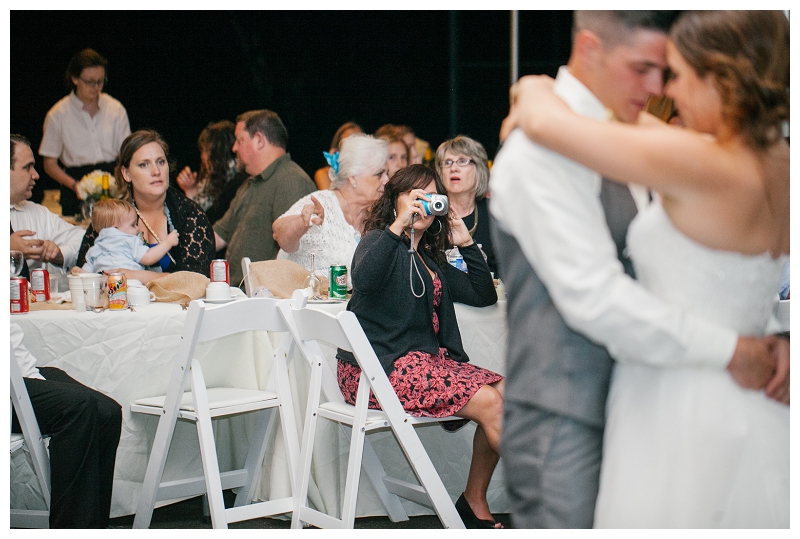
746 210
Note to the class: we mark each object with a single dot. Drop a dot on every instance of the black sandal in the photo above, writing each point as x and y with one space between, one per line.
471 522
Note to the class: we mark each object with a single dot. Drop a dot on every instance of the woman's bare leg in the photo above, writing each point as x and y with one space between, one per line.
486 409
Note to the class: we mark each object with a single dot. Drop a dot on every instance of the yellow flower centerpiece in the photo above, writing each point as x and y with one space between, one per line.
95 186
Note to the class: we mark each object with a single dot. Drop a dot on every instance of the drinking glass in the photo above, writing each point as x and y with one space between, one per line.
312 280
94 292
17 260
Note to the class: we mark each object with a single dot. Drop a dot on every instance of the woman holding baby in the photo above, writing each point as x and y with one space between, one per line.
142 175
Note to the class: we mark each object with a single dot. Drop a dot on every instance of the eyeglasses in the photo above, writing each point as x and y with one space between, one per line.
447 163
93 83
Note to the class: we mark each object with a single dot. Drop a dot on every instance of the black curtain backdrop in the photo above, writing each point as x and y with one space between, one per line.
176 71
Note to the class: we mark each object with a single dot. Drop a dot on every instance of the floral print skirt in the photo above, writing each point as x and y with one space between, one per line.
427 386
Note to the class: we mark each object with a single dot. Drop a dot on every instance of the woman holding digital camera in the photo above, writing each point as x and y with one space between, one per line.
403 294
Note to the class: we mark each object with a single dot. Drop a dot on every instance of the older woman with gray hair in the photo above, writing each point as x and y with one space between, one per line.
463 165
329 223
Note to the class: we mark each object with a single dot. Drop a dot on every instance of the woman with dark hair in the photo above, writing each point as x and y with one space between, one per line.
403 294
689 447
84 130
215 185
464 167
322 175
142 176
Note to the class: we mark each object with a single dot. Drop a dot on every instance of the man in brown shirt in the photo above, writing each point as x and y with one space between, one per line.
275 183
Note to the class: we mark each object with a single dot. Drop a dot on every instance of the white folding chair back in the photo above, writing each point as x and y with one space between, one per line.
248 287
202 403
31 438
281 278
308 326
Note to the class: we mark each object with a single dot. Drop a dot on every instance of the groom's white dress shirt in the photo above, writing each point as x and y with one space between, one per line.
552 206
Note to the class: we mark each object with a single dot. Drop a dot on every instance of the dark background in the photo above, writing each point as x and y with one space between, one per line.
177 71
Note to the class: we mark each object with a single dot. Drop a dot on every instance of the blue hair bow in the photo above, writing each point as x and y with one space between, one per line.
333 160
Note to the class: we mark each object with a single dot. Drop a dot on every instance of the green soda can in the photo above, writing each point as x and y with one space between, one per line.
338 283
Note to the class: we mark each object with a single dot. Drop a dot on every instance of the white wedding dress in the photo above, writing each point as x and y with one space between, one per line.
688 447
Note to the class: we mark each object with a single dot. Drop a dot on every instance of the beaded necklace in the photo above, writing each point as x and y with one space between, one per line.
150 229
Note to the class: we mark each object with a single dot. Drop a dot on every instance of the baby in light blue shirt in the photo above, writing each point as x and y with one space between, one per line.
118 244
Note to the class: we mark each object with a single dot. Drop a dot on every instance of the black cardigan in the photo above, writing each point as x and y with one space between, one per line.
396 322
195 249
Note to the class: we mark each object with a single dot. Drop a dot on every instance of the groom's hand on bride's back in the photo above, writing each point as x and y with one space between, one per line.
752 365
778 387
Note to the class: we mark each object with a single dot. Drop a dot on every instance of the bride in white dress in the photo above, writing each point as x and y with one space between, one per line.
692 447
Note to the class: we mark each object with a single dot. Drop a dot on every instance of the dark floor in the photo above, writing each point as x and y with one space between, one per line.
189 515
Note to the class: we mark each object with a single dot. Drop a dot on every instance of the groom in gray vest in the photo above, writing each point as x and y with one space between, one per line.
559 231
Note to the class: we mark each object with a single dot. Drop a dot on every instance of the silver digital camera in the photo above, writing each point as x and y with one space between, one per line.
438 205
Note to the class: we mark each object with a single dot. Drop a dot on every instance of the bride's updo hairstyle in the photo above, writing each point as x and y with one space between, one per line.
748 54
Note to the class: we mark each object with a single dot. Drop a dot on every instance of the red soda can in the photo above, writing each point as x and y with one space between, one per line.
117 291
19 295
220 272
40 284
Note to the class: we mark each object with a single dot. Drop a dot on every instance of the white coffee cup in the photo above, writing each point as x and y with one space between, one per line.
75 284
218 291
134 282
76 292
139 296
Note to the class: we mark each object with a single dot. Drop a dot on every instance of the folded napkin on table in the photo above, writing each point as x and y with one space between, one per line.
179 287
282 277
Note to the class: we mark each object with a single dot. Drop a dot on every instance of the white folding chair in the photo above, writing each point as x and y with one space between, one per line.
31 438
343 331
277 278
202 404
248 287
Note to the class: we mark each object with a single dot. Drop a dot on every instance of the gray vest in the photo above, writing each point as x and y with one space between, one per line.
548 364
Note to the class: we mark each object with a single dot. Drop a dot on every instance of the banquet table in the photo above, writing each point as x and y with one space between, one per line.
128 355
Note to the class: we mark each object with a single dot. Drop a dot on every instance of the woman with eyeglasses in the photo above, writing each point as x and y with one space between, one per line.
83 130
463 166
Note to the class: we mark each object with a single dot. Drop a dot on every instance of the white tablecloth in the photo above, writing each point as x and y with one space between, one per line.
128 355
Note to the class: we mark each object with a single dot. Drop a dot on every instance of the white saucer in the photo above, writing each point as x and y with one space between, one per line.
324 301
220 300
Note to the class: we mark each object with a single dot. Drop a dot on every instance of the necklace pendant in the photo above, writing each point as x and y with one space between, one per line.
475 225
